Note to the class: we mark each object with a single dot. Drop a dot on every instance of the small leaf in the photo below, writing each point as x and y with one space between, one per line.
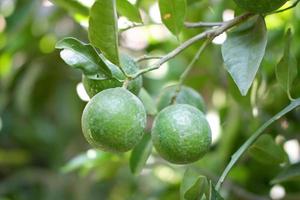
82 160
213 193
148 102
173 14
243 52
193 185
266 151
291 172
286 69
128 10
140 154
84 57
103 30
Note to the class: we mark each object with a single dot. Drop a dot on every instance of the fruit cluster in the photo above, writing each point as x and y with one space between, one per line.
114 120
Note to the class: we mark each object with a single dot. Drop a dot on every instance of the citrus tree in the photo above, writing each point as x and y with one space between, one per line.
215 126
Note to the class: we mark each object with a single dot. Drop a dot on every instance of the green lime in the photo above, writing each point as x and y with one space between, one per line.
181 134
114 120
186 95
260 6
94 86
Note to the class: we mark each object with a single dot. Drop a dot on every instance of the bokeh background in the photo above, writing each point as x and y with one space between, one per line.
43 154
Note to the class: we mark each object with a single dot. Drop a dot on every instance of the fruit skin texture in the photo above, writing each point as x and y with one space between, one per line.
181 134
186 95
94 86
260 6
114 120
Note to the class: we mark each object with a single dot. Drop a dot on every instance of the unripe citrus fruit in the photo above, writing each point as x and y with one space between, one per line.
94 86
181 134
186 95
114 120
260 6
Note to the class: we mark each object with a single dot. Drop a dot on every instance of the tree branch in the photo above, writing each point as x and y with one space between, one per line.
211 33
202 24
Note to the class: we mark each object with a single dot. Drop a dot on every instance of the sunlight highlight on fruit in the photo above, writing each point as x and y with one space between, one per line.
213 119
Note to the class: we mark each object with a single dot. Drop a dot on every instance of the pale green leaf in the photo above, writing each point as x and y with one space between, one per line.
286 69
193 185
243 52
173 14
128 10
140 154
103 30
213 193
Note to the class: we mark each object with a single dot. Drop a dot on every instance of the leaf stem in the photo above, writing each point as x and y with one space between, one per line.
188 69
146 57
211 34
238 154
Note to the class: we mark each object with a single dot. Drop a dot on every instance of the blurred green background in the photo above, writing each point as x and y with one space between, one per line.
43 154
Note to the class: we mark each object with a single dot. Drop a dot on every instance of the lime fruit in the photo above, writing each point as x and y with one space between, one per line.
181 134
186 95
94 86
260 6
114 120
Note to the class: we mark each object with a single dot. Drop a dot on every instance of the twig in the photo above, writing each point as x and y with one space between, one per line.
211 33
202 24
188 69
237 155
131 26
146 57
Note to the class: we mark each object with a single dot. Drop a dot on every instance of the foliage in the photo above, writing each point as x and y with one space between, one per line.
244 82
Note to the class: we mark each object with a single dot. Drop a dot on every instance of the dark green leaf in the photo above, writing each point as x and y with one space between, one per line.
286 69
292 172
103 30
173 14
243 52
213 193
148 102
192 186
128 10
73 6
84 57
265 150
140 154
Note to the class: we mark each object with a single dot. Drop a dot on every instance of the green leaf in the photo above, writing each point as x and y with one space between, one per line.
193 185
213 193
140 154
148 102
173 14
73 6
103 30
286 69
83 160
84 57
266 151
243 52
291 172
128 10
